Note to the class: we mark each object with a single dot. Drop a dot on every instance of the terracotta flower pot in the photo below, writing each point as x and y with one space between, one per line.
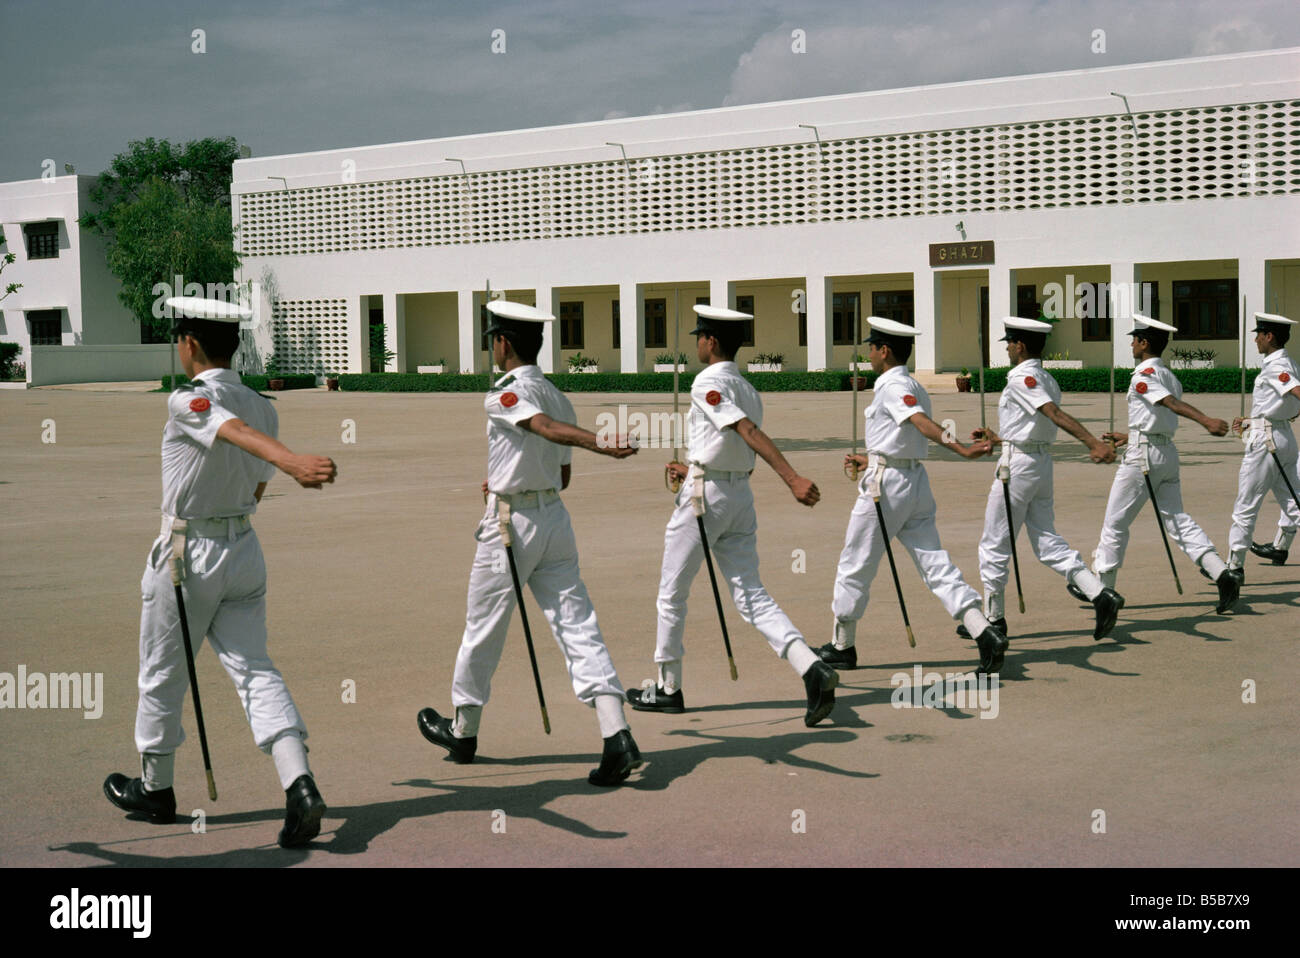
963 384
332 383
275 384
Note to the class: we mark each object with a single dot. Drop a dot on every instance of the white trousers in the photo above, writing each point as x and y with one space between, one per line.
909 510
732 527
225 601
546 557
1288 524
1032 505
1128 494
1259 476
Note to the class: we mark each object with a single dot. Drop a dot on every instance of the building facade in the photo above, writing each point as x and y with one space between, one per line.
1173 187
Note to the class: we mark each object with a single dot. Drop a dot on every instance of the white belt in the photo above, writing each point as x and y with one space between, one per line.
228 528
1262 426
722 475
1033 448
1137 436
528 500
889 462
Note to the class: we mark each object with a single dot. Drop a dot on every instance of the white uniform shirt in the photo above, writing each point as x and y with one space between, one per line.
519 460
1152 381
1278 375
201 477
898 397
1029 388
721 397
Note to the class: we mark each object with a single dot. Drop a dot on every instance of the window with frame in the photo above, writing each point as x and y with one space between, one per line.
1206 309
571 325
1095 318
898 305
42 240
1027 305
656 324
843 306
45 327
618 327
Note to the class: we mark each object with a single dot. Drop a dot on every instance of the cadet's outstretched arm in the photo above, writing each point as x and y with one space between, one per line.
308 471
1215 427
567 434
931 430
805 490
1099 451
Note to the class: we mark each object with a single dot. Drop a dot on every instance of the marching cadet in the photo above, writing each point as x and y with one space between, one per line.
530 431
724 434
1270 445
898 425
1150 466
1029 415
217 431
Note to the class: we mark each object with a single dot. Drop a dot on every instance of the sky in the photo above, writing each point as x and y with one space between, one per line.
79 80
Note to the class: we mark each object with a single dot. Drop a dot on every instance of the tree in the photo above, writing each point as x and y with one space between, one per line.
164 211
7 260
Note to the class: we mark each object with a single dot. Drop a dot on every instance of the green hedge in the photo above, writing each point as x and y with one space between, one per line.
8 359
591 382
1097 379
259 382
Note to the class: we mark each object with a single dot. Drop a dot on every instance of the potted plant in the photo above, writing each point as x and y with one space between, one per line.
1061 360
579 363
664 363
859 364
963 381
439 367
274 380
332 380
1192 359
766 363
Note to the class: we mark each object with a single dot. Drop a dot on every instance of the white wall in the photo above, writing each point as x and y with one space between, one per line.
52 365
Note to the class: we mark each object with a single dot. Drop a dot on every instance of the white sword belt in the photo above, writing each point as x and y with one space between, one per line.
529 500
227 528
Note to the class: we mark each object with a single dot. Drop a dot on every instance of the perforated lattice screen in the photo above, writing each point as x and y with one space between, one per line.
310 335
1203 153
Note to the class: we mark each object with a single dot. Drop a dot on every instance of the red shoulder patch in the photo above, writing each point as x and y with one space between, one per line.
200 405
509 399
1141 387
1031 382
1149 371
1285 377
713 397
909 400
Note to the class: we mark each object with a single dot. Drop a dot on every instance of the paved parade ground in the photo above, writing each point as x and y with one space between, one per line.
1171 743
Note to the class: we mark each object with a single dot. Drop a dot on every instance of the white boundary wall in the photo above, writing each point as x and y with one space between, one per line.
52 365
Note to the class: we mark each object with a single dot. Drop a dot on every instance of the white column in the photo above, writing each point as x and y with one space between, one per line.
722 293
1253 283
549 358
1121 303
818 300
631 326
1002 301
468 335
358 326
926 305
395 331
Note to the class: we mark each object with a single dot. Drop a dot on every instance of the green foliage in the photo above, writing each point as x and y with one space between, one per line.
258 382
7 260
9 353
774 359
413 383
667 358
578 361
380 354
1193 355
164 210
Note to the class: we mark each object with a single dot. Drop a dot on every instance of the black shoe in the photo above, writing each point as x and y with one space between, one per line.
838 658
657 700
438 731
993 649
129 795
1229 591
1075 591
1240 576
818 682
999 624
1108 603
1278 556
617 761
303 808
